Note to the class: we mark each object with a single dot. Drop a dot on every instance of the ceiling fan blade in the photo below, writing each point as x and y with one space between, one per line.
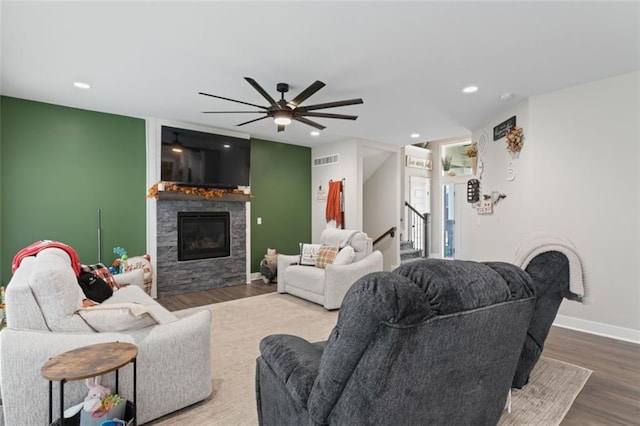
260 90
306 93
329 115
280 127
233 112
251 121
232 100
309 123
331 104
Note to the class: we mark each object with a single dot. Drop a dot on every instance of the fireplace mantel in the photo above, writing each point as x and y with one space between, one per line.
226 198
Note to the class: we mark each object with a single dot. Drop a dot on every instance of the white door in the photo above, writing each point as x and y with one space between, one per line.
420 193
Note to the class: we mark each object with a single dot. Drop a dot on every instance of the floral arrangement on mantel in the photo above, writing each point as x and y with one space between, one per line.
514 140
207 193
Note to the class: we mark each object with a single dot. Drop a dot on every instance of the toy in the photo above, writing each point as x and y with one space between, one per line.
122 261
269 266
97 393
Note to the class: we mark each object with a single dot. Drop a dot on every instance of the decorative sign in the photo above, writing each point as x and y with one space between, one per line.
501 129
419 163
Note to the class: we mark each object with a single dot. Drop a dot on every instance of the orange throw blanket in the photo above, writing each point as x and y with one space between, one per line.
38 246
333 211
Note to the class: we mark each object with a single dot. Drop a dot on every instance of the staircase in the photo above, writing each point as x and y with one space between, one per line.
408 253
417 225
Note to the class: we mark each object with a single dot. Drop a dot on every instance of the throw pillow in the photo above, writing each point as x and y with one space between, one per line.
117 316
100 270
326 256
144 263
345 256
309 253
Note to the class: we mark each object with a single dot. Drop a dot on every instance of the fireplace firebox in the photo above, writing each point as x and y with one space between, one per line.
203 235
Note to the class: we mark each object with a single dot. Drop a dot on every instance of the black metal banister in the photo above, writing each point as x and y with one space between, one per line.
420 215
391 232
418 228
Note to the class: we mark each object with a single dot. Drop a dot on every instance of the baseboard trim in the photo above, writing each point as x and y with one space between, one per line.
598 328
255 276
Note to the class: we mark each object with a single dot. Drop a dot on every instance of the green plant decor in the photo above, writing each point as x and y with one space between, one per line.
446 163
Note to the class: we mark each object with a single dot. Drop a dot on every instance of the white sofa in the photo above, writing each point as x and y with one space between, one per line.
174 355
328 286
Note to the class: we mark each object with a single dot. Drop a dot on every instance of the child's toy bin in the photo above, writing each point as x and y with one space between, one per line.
83 418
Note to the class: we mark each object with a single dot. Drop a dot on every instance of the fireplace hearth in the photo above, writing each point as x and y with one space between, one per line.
203 235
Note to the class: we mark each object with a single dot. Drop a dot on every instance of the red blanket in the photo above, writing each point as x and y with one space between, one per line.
38 246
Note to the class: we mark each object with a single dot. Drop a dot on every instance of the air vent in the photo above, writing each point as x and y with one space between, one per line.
323 161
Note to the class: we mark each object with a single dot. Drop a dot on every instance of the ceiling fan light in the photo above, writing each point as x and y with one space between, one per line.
284 121
282 118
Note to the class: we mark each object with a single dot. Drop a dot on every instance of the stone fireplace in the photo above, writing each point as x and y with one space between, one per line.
201 244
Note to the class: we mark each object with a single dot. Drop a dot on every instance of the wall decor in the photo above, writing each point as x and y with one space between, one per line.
483 144
419 163
511 171
514 140
501 129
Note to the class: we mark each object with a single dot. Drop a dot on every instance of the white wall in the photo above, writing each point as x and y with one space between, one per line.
576 176
349 167
381 196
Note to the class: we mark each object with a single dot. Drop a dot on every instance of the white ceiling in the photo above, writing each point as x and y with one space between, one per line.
407 60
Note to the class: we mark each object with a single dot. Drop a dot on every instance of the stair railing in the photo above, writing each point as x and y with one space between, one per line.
418 229
390 232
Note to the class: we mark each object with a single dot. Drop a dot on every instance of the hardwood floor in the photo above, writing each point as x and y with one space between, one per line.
201 298
611 396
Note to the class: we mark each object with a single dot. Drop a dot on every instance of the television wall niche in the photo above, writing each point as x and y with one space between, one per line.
194 158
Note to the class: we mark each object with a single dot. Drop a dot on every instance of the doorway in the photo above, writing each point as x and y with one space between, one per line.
457 219
448 221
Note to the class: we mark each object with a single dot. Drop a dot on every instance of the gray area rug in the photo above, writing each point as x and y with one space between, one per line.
239 325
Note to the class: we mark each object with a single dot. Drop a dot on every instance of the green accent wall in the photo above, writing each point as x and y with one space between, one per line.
281 189
59 165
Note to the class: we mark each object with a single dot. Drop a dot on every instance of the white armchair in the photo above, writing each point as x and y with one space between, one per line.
327 286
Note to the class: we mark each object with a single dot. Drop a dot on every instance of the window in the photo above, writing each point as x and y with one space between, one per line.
454 160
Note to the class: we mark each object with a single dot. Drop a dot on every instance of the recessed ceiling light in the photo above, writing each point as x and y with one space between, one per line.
81 85
505 96
470 89
315 133
415 135
226 145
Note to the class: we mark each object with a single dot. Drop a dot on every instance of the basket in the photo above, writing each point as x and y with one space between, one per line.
82 418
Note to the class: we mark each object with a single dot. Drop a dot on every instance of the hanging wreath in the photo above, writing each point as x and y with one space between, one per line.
514 140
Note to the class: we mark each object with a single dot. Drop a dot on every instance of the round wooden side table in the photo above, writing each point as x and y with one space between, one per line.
86 362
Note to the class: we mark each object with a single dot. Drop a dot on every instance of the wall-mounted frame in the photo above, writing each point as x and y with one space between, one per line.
501 129
419 163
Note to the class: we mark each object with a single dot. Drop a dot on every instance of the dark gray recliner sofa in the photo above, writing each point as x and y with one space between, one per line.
549 274
434 342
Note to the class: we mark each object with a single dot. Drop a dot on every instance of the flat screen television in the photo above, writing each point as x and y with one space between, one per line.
193 158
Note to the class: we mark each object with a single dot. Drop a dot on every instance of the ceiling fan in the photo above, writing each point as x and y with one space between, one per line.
283 111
